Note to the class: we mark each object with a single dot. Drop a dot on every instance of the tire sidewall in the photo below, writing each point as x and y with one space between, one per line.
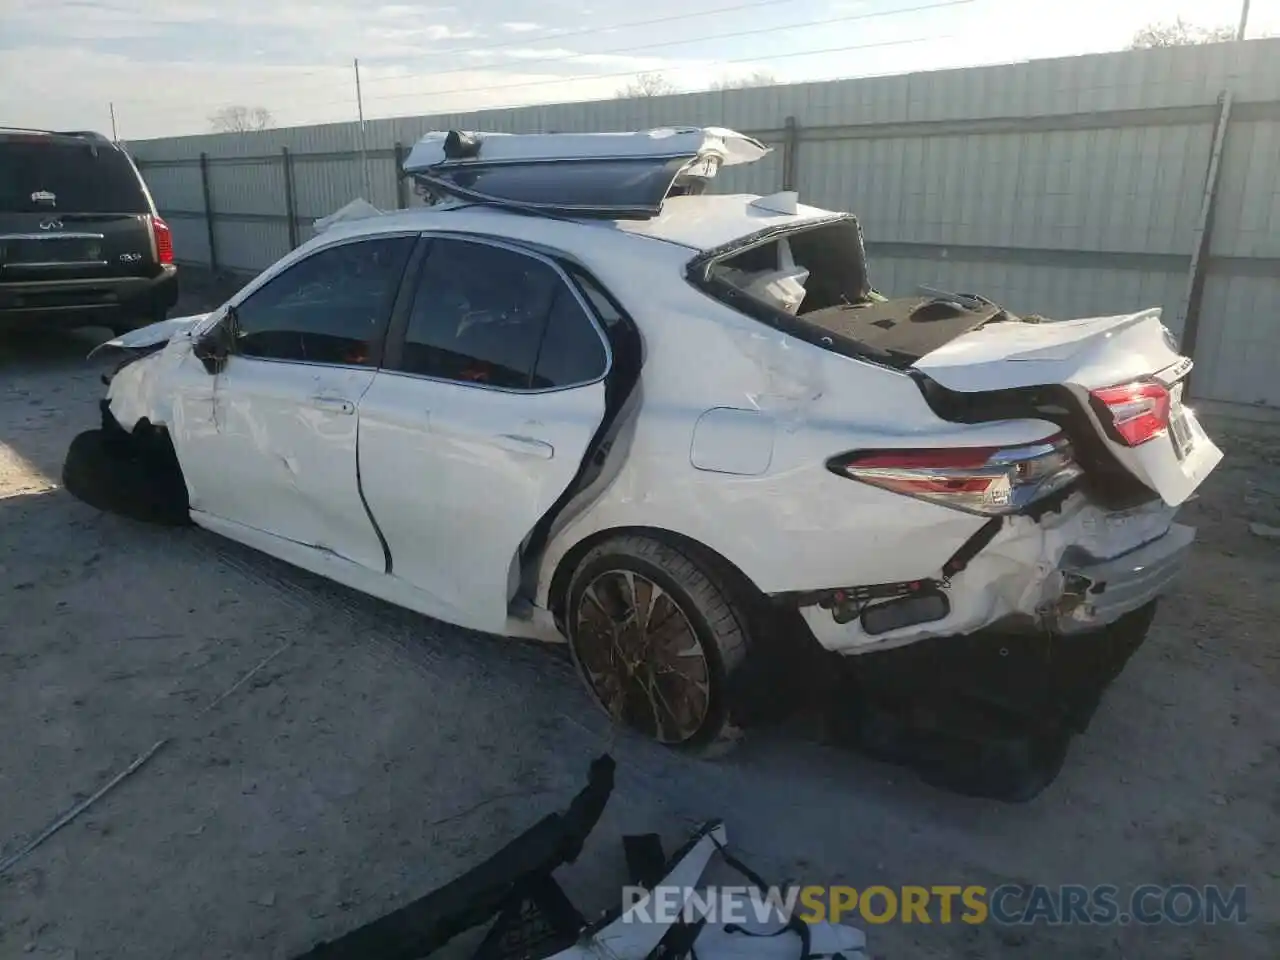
114 475
602 561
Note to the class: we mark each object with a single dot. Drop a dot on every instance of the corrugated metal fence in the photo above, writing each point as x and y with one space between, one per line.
1070 187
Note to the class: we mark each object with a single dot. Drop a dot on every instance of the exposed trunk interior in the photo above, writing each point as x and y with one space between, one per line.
812 283
906 327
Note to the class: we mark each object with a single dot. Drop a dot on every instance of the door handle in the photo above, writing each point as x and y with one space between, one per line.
530 446
334 405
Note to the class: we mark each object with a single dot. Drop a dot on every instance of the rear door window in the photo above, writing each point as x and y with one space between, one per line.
81 177
493 316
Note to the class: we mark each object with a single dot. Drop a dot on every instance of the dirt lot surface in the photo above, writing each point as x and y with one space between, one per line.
375 754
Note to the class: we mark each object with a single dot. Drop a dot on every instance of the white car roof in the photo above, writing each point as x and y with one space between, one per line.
710 221
700 223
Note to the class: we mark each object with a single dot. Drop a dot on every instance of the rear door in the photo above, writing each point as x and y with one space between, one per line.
71 208
479 420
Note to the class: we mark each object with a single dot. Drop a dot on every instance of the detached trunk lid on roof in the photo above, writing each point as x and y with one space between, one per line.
613 175
1087 355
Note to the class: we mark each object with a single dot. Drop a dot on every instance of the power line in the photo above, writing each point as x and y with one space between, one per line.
672 43
847 48
684 41
522 40
526 40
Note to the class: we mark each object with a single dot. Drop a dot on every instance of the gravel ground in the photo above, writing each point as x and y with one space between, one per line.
375 754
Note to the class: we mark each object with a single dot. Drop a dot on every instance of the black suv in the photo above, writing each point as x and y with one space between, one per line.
80 241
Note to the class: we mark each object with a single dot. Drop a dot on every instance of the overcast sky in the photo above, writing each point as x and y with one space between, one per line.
169 64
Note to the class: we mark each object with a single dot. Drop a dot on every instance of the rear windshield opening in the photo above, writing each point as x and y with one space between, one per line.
47 174
813 284
802 272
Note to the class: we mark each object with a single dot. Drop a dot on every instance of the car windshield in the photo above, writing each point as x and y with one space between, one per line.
44 174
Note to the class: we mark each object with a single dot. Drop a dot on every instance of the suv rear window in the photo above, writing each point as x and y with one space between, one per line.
80 181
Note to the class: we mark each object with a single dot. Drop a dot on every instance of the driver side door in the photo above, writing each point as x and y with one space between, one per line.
279 453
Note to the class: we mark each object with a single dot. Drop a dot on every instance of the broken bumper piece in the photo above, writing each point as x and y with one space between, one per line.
1099 592
532 918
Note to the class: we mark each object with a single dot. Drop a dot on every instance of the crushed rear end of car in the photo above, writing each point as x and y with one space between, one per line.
1069 446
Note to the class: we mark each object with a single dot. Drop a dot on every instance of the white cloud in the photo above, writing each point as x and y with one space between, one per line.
531 53
167 64
431 32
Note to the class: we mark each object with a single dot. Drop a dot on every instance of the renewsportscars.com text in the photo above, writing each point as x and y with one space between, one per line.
1009 905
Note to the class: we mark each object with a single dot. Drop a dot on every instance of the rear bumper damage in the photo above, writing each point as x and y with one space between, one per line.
1074 570
1096 592
1026 636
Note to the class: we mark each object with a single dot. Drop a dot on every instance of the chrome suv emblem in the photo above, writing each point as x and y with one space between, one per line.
50 224
130 257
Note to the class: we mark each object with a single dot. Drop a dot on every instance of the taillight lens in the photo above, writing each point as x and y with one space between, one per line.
1138 411
987 480
164 240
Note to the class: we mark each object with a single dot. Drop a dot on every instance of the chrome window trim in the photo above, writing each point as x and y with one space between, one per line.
51 236
50 264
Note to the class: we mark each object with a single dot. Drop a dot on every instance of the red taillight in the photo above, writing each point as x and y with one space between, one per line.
164 240
989 480
1139 411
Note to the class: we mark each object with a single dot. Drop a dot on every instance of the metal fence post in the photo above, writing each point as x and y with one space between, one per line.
402 201
290 201
790 147
1196 276
208 212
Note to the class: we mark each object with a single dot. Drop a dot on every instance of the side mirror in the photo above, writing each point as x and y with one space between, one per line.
214 345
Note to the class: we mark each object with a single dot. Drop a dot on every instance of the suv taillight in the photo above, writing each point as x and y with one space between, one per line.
986 480
164 240
1139 411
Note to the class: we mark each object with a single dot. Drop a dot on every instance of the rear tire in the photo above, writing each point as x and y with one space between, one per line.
657 632
119 475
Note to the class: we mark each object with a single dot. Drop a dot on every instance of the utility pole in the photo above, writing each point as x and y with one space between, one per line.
364 146
1244 20
112 107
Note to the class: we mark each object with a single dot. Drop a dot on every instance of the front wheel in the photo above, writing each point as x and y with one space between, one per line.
119 475
656 631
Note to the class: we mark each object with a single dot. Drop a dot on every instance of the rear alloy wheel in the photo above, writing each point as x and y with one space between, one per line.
655 634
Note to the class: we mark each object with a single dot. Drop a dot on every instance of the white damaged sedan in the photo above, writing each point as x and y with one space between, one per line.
577 397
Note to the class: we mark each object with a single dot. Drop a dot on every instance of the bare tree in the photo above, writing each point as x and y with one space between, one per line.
647 85
240 119
760 78
1179 33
